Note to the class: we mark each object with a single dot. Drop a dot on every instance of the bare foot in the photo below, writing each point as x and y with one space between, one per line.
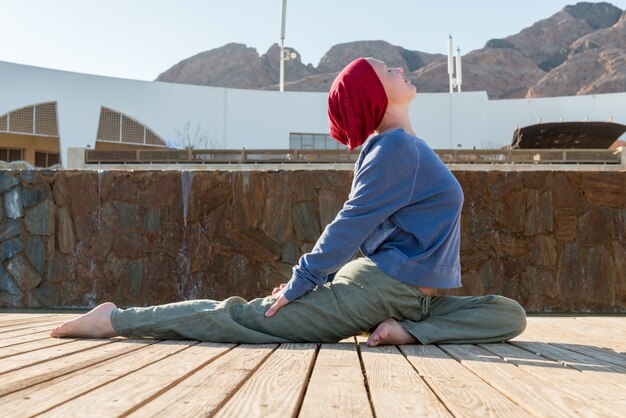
94 324
390 332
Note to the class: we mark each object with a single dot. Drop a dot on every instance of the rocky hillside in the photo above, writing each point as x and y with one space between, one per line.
579 50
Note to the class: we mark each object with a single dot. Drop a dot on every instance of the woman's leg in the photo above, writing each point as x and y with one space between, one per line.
468 319
359 297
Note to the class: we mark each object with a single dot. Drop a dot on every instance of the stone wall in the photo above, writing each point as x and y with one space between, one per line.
554 241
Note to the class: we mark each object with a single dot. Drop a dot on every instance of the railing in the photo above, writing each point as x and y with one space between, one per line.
245 156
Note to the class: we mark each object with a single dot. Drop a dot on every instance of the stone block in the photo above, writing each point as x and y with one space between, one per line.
11 229
67 238
59 268
35 251
475 220
565 220
510 212
543 251
152 220
60 188
29 176
619 257
536 179
594 227
570 275
252 244
85 226
131 244
600 276
37 194
130 282
39 220
539 216
8 284
618 218
127 215
87 201
566 190
46 295
13 203
541 290
302 184
11 301
290 253
125 187
26 276
277 222
503 184
103 238
249 196
7 181
209 193
604 190
329 206
9 248
305 221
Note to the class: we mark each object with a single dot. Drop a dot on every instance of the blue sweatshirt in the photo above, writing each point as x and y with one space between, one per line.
403 212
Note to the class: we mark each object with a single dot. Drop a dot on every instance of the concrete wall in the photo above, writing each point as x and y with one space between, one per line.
263 119
553 240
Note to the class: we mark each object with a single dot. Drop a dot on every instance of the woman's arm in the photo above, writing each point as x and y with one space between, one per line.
383 184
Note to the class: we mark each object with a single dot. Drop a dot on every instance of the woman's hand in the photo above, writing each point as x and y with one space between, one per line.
280 302
278 289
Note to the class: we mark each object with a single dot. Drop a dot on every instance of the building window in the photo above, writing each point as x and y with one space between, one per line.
46 159
117 127
11 154
38 120
299 140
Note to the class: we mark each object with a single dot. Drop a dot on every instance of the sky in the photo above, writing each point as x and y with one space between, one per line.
139 39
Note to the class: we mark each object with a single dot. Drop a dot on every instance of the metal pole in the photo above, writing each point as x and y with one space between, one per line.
282 47
450 64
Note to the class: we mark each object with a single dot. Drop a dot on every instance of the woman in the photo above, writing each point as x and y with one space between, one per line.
403 212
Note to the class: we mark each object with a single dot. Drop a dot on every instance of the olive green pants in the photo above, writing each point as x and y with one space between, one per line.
359 298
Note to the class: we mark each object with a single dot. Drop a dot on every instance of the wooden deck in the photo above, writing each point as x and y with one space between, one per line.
560 367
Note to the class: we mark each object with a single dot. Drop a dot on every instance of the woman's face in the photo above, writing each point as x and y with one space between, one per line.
398 88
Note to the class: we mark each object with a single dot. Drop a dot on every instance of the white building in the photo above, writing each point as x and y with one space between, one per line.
82 110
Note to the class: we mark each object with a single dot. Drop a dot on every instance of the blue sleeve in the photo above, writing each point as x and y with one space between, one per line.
383 183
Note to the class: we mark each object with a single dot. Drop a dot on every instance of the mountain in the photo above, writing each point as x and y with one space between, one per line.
579 50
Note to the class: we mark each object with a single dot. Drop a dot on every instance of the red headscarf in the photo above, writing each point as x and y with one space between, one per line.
356 103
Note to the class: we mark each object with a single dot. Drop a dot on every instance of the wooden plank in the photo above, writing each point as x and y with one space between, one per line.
28 359
14 350
132 390
396 390
44 396
572 381
462 392
337 385
617 323
569 330
48 322
536 395
586 364
17 320
603 354
277 387
28 376
207 389
584 385
27 331
42 335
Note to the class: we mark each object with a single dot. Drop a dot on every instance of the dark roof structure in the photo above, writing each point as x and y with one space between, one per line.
571 135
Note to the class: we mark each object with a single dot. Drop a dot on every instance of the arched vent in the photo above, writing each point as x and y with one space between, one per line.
40 120
117 127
